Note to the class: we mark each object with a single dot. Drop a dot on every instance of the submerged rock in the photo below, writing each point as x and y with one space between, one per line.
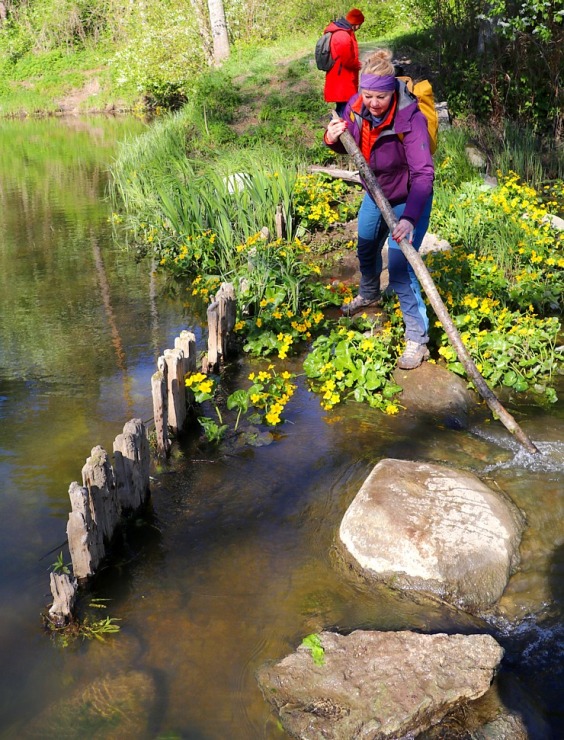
378 684
432 390
433 529
114 707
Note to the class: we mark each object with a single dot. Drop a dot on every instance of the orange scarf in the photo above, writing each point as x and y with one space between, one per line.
369 134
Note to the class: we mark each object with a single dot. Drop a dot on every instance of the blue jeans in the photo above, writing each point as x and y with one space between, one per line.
372 233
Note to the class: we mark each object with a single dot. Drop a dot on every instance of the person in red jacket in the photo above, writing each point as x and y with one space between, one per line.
341 81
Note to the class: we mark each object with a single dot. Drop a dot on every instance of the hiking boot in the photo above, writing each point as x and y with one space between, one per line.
413 355
359 304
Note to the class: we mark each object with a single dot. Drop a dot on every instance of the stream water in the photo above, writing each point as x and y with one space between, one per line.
233 566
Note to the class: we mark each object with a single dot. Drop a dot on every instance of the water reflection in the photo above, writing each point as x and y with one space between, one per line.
234 565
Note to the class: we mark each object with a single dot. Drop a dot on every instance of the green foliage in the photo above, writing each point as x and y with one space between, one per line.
59 566
36 82
500 60
505 273
87 627
279 298
452 167
320 201
513 250
162 56
313 643
264 401
355 361
543 19
217 96
193 215
45 25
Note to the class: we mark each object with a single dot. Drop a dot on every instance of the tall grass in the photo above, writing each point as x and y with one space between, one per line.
234 195
523 152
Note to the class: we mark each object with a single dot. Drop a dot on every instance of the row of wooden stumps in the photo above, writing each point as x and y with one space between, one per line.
107 493
170 401
110 492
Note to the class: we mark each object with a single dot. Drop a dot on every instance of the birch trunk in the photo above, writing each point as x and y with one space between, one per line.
219 31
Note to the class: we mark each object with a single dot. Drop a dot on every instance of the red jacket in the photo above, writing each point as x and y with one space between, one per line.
341 82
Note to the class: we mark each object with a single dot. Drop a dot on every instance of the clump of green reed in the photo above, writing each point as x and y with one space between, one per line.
165 199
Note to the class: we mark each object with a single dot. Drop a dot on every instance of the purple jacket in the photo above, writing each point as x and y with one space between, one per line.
403 166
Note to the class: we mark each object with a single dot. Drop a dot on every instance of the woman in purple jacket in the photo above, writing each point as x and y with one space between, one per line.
386 123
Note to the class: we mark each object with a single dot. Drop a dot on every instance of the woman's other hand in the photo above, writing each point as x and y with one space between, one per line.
334 130
403 230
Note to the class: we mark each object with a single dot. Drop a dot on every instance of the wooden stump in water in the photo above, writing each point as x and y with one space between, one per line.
176 389
131 466
187 343
98 478
85 538
63 590
160 407
222 314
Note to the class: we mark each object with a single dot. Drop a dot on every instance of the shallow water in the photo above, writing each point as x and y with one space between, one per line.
234 565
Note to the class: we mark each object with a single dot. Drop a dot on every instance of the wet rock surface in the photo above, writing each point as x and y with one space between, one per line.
434 391
423 527
378 684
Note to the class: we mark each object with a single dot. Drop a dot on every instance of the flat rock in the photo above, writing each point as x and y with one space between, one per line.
377 685
433 390
423 527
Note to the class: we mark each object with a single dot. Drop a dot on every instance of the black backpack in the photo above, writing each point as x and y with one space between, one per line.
323 58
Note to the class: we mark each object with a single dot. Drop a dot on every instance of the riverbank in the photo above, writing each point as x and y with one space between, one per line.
232 568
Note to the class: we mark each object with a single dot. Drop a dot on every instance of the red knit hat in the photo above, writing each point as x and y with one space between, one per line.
355 17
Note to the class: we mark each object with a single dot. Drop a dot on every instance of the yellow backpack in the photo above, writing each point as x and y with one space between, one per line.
426 100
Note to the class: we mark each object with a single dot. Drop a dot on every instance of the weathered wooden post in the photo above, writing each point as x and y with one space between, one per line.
222 314
280 225
85 538
98 478
96 509
174 359
63 590
131 466
159 389
211 361
187 343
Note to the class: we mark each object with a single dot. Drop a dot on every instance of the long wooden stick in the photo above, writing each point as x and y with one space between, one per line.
430 289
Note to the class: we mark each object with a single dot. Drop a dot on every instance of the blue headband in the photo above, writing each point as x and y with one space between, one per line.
378 83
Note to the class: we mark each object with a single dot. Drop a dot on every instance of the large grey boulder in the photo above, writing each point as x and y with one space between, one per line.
433 529
378 684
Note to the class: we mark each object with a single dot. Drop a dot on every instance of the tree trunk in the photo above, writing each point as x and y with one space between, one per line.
430 289
219 31
201 13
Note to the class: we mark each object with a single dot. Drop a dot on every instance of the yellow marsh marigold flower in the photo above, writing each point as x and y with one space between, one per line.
194 379
206 386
